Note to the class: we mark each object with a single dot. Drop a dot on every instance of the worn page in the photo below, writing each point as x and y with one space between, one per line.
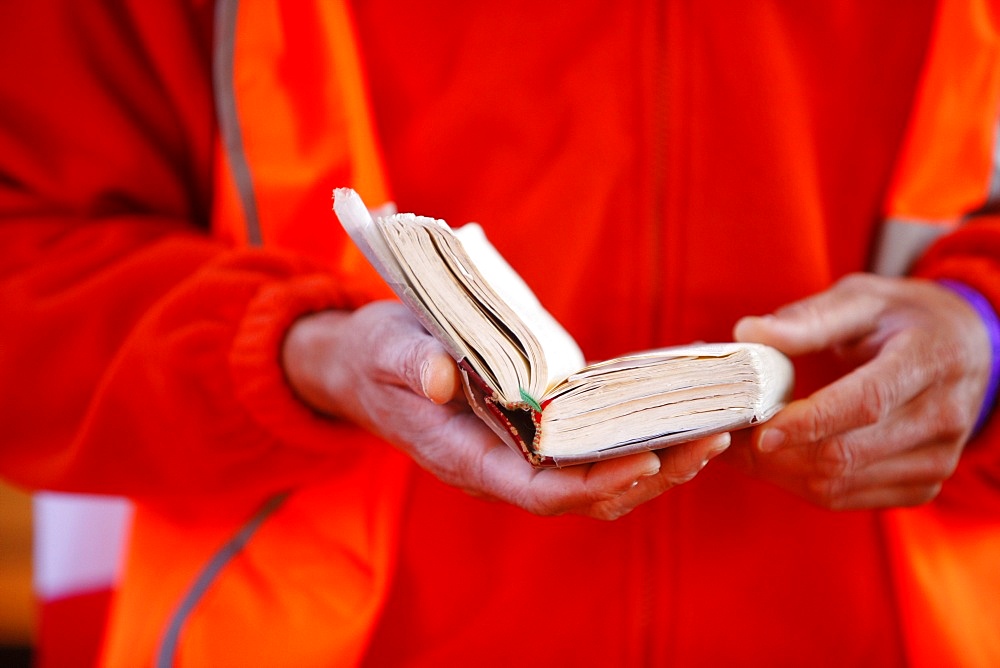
664 393
559 350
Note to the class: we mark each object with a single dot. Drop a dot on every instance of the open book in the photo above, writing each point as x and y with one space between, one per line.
524 374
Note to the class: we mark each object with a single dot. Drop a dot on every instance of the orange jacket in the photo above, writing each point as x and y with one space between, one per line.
668 151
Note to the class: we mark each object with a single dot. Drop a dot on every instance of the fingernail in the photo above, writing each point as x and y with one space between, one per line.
649 474
724 441
771 440
654 468
716 450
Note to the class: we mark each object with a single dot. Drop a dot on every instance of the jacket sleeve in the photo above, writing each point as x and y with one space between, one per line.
139 356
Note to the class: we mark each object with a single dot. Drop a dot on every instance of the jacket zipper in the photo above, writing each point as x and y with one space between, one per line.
658 173
654 600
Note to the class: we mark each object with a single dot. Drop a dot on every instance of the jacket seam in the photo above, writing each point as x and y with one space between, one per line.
167 651
230 131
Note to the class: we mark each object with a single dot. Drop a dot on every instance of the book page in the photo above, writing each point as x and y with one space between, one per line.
408 252
495 349
367 235
508 335
561 353
664 393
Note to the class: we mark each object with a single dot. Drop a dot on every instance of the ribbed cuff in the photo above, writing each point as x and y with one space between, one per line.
255 359
989 318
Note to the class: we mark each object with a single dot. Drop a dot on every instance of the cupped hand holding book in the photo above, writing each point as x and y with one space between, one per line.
524 374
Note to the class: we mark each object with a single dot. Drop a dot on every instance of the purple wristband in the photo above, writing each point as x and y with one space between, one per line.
989 317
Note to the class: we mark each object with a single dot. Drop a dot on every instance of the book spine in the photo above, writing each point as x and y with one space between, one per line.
518 425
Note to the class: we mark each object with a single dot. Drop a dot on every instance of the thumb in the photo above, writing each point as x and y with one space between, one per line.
425 368
844 313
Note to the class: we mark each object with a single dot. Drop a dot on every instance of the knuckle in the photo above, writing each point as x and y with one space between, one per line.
378 344
835 459
879 399
816 421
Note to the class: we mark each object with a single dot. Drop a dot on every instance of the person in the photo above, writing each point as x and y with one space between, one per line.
187 326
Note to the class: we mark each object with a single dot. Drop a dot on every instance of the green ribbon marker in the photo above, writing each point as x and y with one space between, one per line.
526 398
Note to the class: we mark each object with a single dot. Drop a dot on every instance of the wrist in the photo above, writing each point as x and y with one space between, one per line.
988 316
306 357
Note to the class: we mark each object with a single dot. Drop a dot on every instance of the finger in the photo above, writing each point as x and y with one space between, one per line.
889 497
678 464
919 448
839 457
846 312
925 467
865 396
504 475
924 424
912 477
405 354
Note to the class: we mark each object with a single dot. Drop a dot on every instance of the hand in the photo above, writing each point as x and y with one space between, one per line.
378 368
892 430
